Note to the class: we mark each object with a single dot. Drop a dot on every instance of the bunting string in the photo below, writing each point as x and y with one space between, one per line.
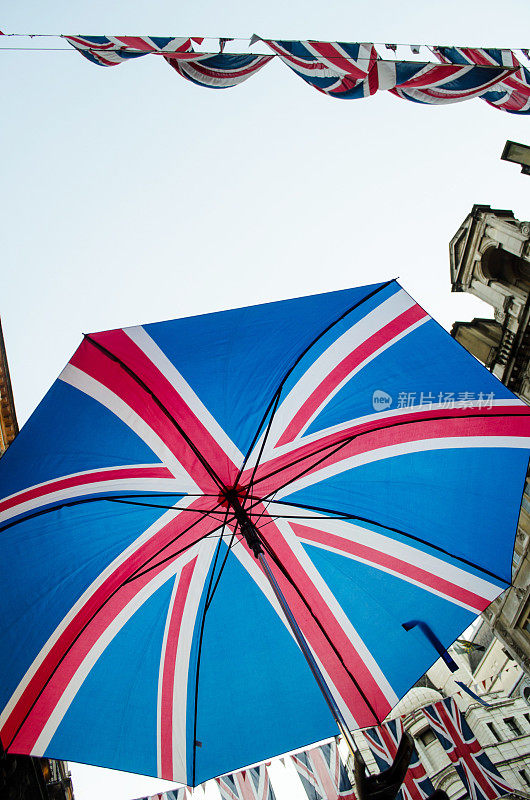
322 773
247 784
343 70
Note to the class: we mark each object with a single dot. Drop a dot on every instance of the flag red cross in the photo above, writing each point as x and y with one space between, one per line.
474 767
384 742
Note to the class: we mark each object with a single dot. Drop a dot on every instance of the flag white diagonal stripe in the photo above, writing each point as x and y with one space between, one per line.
93 388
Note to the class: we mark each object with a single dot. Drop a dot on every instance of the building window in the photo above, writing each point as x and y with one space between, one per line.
524 777
493 730
514 727
427 736
524 622
527 718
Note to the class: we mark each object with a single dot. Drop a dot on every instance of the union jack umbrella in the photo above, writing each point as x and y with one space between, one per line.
192 498
248 784
511 94
480 777
383 742
322 773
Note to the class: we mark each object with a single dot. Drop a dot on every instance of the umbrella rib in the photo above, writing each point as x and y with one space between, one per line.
346 516
311 467
286 574
207 466
273 404
111 498
351 437
137 574
273 516
214 589
205 512
74 640
199 646
262 448
264 511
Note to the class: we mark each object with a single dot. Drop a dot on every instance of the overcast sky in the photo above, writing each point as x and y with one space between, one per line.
131 195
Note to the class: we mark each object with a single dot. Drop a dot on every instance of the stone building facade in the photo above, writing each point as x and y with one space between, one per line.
502 727
8 418
490 258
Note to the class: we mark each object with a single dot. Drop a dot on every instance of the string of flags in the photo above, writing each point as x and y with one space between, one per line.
343 70
486 683
322 773
324 776
182 793
248 784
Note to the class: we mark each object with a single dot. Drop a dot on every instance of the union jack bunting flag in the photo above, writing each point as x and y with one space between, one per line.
249 784
480 777
513 92
182 793
383 742
350 71
132 603
334 68
429 83
108 51
218 70
423 82
322 773
338 69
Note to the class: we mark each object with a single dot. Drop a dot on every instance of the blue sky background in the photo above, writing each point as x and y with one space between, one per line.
131 195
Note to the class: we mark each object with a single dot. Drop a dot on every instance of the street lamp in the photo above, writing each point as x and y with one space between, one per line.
518 154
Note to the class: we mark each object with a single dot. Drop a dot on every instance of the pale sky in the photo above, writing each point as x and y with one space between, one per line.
131 195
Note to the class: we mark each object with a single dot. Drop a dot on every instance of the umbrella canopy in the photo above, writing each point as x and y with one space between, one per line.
382 465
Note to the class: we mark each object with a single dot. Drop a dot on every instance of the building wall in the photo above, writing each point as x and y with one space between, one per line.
490 258
502 729
8 418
